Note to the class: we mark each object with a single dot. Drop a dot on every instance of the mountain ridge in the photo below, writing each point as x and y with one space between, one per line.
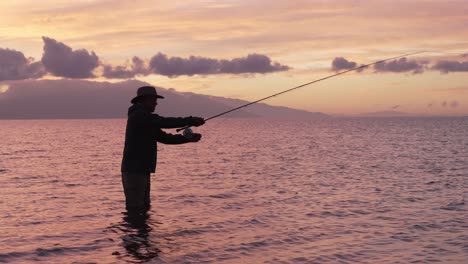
73 99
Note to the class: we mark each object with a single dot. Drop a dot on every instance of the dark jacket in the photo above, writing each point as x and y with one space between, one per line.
142 132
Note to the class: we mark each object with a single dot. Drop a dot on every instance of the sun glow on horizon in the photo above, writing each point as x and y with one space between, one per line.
4 88
306 36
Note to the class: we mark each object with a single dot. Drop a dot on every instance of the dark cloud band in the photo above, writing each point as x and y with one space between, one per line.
176 66
61 60
137 67
451 66
15 66
340 63
400 65
194 65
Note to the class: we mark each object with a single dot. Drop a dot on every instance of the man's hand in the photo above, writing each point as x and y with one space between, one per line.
197 121
195 137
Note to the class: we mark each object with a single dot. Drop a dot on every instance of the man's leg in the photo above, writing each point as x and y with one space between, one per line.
147 192
135 187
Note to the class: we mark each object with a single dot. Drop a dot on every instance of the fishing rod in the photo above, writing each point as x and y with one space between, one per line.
302 85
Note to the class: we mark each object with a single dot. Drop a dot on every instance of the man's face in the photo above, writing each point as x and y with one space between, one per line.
150 103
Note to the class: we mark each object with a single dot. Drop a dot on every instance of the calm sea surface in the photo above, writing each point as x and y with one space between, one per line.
388 190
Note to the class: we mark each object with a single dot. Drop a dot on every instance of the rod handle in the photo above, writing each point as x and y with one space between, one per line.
182 128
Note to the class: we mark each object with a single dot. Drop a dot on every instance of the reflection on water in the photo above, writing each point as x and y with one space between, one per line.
135 232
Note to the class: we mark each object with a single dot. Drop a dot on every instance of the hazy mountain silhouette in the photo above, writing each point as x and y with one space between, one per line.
52 99
387 114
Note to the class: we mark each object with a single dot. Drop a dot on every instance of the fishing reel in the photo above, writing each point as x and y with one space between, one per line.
188 133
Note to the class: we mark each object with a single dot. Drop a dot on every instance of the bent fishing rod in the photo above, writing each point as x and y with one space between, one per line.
306 84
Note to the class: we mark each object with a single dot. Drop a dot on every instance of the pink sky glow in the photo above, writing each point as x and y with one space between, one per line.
250 49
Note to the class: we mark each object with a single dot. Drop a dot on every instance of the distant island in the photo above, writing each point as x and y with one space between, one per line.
388 114
63 99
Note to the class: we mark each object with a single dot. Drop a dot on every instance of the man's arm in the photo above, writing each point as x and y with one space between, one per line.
167 138
175 122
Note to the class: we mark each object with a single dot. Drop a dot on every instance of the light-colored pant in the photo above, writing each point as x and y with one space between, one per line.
137 187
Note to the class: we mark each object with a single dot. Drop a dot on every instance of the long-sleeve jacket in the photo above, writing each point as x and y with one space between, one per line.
142 132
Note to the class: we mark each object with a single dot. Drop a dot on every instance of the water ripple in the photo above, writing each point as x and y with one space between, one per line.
338 191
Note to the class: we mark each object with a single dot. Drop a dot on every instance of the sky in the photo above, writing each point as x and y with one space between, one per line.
248 50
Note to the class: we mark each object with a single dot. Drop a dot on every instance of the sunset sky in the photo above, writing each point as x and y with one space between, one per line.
249 49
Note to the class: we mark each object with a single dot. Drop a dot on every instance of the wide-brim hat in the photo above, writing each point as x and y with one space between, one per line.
146 91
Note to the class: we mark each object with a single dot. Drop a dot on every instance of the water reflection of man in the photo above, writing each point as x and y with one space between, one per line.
143 130
136 240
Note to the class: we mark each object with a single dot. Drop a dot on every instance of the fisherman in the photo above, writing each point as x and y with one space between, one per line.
143 130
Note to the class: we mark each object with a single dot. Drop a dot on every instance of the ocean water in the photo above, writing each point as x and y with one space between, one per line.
357 190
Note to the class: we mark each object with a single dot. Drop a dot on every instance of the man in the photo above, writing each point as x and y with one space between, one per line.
139 155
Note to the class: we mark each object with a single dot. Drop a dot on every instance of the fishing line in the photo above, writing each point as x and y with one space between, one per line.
189 131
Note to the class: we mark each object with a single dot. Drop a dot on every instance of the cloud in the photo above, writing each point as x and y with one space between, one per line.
400 65
137 67
395 107
61 60
454 104
253 63
340 63
15 66
176 66
118 72
451 66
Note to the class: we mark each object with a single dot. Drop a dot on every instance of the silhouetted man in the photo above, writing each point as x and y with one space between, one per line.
139 155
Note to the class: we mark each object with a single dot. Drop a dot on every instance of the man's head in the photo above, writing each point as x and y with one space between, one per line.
147 96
